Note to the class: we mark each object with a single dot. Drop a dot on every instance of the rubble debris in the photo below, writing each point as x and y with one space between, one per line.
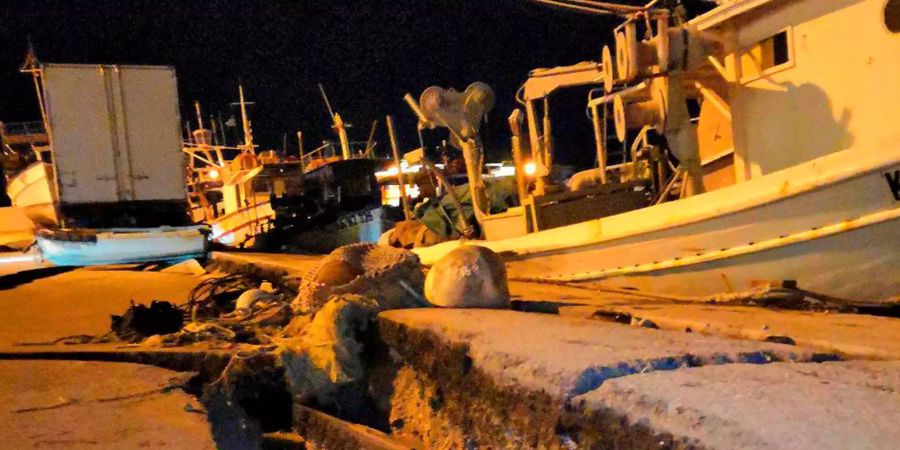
787 340
643 323
187 267
364 269
140 321
218 295
324 365
468 277
250 297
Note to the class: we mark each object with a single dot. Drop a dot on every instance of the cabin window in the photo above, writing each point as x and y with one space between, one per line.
769 55
892 16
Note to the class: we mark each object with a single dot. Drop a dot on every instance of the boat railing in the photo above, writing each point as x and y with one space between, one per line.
22 128
328 151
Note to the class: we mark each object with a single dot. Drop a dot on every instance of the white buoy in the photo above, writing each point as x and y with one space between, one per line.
468 277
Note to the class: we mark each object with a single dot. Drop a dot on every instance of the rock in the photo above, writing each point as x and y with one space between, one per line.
324 365
297 325
468 277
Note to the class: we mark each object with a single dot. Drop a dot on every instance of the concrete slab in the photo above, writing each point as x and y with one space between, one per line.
286 268
80 301
851 335
565 356
70 404
776 406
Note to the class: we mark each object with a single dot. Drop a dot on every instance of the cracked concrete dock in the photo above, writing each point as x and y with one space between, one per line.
706 379
562 378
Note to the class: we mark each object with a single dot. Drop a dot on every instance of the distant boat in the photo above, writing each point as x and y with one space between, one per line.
340 205
340 202
121 245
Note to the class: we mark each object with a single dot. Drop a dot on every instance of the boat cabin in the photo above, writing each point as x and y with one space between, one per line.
749 88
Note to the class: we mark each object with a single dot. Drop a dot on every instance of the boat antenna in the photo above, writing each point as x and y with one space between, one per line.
199 114
327 103
248 132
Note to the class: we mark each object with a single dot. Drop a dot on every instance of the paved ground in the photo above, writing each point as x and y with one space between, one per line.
80 301
74 404
288 268
853 335
847 405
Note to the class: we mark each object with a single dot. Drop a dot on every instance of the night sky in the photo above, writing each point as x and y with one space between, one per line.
366 53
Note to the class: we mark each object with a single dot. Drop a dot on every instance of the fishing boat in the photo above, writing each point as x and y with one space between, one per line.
121 245
340 202
791 170
230 188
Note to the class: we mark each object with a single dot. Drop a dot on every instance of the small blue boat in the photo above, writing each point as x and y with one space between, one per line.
86 247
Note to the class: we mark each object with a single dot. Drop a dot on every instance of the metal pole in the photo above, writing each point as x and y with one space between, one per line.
199 115
370 144
400 178
600 142
248 135
515 124
548 136
535 142
215 131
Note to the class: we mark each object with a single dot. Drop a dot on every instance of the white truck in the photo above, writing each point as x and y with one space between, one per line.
115 132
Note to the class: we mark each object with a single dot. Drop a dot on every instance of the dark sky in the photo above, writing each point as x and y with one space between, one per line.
366 53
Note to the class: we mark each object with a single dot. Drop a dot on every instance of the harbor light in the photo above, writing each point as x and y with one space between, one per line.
214 174
530 168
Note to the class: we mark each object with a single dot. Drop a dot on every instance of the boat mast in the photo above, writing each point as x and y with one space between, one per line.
33 66
199 114
339 126
248 133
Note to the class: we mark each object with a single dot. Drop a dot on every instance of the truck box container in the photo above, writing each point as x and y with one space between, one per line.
116 138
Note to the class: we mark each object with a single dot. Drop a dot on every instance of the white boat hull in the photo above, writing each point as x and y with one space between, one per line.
240 228
123 246
832 224
32 190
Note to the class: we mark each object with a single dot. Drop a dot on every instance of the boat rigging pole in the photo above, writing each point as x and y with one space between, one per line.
248 134
339 127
